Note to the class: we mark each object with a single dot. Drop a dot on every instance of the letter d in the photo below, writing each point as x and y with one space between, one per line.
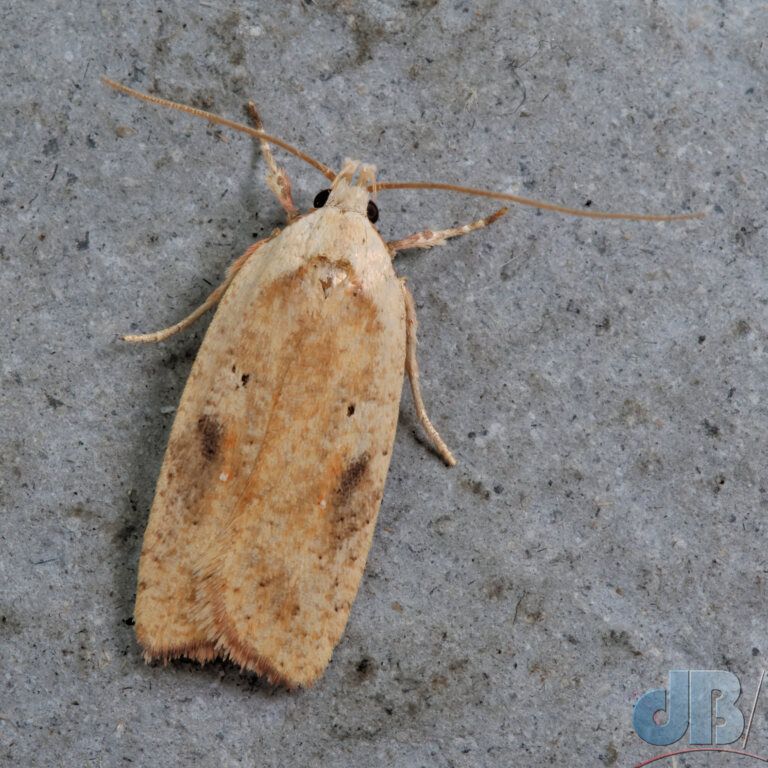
676 707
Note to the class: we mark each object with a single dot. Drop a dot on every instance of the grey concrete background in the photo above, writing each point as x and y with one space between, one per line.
601 382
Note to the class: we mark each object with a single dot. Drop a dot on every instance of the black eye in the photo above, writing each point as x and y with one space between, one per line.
321 198
373 212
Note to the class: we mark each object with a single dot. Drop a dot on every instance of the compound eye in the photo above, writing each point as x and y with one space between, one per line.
373 212
321 198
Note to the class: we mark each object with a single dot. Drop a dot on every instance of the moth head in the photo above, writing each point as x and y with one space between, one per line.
348 193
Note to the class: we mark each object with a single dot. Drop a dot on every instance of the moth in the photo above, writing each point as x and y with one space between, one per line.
275 467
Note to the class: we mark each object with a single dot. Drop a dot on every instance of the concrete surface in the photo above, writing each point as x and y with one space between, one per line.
601 382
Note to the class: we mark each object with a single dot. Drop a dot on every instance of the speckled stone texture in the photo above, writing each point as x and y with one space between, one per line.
602 383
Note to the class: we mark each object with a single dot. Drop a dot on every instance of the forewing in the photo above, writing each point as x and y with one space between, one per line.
275 471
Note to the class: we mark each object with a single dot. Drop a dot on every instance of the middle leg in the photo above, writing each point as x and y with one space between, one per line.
429 239
212 300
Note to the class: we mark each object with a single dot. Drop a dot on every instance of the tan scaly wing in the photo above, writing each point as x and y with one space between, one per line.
276 464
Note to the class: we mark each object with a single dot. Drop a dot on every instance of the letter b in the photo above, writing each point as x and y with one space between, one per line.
704 682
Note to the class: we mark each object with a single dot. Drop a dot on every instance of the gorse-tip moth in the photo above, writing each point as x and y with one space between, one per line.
275 467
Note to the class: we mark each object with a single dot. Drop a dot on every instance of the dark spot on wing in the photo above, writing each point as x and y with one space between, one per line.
351 409
352 508
351 478
209 429
244 378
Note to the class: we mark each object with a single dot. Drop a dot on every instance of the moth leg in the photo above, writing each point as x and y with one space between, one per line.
428 239
412 369
277 178
209 303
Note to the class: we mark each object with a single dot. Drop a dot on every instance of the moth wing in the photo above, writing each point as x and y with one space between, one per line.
275 469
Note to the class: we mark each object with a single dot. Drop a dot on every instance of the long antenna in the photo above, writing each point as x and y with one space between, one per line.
324 169
379 185
542 205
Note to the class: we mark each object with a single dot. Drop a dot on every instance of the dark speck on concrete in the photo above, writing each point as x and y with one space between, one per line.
54 402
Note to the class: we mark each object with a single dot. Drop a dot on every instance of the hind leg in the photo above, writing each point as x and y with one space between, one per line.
412 369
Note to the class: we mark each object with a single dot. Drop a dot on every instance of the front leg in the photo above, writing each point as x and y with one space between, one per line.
412 369
277 178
